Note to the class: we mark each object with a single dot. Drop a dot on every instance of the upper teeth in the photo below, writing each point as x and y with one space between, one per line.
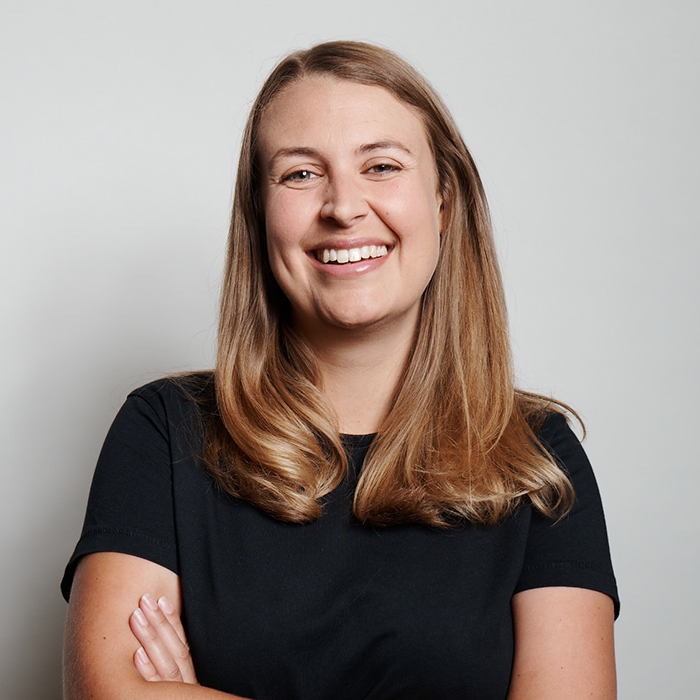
343 255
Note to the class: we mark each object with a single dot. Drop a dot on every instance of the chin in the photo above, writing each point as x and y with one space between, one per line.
355 321
368 319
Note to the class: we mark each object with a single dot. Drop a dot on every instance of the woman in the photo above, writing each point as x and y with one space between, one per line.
357 503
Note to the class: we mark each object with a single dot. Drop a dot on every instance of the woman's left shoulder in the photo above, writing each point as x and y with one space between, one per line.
557 436
574 550
555 428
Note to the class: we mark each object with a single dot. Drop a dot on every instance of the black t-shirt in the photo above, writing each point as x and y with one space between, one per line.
333 609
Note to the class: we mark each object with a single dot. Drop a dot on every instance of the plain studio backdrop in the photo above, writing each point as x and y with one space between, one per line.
119 129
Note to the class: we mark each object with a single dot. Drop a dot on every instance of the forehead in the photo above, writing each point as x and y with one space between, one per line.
318 110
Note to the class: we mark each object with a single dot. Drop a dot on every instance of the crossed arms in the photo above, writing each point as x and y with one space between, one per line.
563 638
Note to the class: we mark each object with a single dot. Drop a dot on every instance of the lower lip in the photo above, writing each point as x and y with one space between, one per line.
349 269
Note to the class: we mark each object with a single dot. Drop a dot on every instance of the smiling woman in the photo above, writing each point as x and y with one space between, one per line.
357 502
346 166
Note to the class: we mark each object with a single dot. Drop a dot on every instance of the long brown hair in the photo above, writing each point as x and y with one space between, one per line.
459 441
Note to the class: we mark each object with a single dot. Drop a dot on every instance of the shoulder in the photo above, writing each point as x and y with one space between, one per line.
557 437
161 410
176 393
555 432
193 386
549 424
574 550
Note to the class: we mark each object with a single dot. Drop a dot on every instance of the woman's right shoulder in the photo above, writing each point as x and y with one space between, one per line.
182 401
176 391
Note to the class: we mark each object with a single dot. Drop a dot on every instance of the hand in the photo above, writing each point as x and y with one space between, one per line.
164 654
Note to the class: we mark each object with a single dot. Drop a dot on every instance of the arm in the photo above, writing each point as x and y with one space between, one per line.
563 645
100 646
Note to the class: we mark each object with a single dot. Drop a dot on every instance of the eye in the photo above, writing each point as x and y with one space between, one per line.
383 168
300 176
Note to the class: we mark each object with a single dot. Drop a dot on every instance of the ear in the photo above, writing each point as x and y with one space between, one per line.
441 212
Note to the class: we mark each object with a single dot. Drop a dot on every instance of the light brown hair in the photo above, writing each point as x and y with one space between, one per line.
459 441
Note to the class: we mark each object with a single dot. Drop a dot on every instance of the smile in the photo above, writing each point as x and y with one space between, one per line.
346 255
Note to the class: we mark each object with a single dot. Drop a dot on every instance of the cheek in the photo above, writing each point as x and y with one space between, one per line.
281 226
418 216
426 224
286 225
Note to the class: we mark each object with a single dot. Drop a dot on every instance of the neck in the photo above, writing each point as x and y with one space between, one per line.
360 371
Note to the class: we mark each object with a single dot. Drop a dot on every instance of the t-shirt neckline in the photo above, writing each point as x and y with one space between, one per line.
357 441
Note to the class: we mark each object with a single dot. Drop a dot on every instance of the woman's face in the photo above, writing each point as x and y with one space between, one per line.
352 210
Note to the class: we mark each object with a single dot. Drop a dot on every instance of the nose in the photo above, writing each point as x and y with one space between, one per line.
344 201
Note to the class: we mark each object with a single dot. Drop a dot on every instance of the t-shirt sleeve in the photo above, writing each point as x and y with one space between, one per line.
573 551
130 508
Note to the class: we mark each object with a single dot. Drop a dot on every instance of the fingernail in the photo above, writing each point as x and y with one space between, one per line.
149 602
165 605
143 656
140 617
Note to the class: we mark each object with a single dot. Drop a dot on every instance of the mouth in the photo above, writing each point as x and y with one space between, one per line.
341 256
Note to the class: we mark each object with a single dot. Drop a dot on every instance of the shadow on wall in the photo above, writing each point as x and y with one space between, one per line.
34 629
62 404
81 348
54 443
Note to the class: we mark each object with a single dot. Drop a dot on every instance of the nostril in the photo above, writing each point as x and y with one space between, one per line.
344 206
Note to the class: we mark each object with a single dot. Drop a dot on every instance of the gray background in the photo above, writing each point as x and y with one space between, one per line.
119 126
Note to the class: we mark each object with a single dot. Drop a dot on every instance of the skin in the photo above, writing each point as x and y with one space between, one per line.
563 639
563 645
99 658
344 165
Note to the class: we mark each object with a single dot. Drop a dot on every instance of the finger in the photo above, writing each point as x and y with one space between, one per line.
154 646
144 666
168 609
174 643
187 665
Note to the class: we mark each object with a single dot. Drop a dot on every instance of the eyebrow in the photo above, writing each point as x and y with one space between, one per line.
381 145
312 152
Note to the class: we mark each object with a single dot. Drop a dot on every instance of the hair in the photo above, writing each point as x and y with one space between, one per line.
459 442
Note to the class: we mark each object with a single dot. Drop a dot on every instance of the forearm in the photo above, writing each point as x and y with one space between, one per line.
83 679
143 690
99 645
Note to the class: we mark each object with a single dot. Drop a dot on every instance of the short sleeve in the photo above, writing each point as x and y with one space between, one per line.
130 507
573 551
